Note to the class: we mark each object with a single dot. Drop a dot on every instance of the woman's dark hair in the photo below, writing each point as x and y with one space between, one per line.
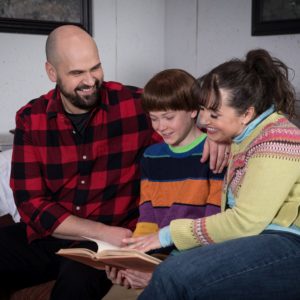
169 89
259 81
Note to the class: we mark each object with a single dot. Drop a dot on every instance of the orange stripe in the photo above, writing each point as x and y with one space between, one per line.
192 192
215 193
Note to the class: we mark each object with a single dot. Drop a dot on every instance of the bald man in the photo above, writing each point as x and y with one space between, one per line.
75 170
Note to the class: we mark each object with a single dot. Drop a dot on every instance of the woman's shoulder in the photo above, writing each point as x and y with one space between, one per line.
281 129
280 137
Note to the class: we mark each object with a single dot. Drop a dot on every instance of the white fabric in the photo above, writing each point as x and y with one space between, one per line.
7 203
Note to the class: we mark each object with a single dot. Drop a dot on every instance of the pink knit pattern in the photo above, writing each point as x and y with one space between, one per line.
280 139
201 233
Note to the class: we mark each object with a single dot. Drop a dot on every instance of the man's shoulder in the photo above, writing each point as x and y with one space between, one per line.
113 86
36 105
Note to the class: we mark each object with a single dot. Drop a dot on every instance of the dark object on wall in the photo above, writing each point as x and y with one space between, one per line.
296 120
42 16
273 17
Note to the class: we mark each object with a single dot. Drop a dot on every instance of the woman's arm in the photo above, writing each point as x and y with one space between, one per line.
267 184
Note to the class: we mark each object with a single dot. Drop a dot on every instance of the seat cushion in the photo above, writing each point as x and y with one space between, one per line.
37 292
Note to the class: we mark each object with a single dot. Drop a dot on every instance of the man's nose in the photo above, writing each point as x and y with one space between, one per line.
89 79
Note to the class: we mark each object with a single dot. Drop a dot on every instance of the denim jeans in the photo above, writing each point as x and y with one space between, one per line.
266 266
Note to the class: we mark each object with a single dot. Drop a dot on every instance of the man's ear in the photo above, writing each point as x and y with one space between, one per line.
51 72
249 115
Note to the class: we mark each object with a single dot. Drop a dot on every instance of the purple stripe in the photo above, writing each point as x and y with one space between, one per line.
164 215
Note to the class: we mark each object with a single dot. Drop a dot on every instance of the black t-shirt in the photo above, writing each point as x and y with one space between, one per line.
79 121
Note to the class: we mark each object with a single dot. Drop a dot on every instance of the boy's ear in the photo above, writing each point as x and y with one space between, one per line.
51 72
194 114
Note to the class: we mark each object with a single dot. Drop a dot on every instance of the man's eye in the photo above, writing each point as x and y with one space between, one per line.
214 116
96 69
76 73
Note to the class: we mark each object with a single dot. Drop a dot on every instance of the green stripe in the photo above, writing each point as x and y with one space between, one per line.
186 148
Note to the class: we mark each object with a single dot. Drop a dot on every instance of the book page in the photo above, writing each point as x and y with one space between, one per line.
134 262
111 255
107 249
102 245
129 253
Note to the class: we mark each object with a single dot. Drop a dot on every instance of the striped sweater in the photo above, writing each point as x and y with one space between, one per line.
176 185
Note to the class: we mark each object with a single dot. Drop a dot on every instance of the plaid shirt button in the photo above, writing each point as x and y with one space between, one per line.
77 207
84 157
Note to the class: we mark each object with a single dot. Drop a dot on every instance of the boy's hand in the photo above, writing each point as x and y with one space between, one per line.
117 276
143 243
128 278
136 279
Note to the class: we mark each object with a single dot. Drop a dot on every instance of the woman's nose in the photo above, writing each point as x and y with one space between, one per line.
203 117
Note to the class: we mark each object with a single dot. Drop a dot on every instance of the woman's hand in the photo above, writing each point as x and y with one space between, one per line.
143 243
218 154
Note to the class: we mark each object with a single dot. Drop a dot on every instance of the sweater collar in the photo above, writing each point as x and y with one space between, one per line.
253 124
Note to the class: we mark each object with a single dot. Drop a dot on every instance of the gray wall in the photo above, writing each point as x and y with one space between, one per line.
130 37
202 34
138 38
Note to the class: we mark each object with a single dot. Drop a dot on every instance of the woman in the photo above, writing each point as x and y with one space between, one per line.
251 250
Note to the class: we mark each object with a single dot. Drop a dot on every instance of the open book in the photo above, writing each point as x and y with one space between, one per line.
113 256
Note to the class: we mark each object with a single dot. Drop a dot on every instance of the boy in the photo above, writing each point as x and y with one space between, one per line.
173 184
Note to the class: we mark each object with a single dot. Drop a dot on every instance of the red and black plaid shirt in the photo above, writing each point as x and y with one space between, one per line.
57 173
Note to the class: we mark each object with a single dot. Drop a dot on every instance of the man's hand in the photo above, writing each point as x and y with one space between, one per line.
75 228
218 154
114 235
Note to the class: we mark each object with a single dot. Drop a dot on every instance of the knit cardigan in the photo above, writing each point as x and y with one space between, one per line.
264 177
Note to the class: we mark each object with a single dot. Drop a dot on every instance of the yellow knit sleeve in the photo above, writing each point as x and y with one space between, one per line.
182 232
268 184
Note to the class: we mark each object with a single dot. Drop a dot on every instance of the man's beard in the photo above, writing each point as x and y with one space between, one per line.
83 102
